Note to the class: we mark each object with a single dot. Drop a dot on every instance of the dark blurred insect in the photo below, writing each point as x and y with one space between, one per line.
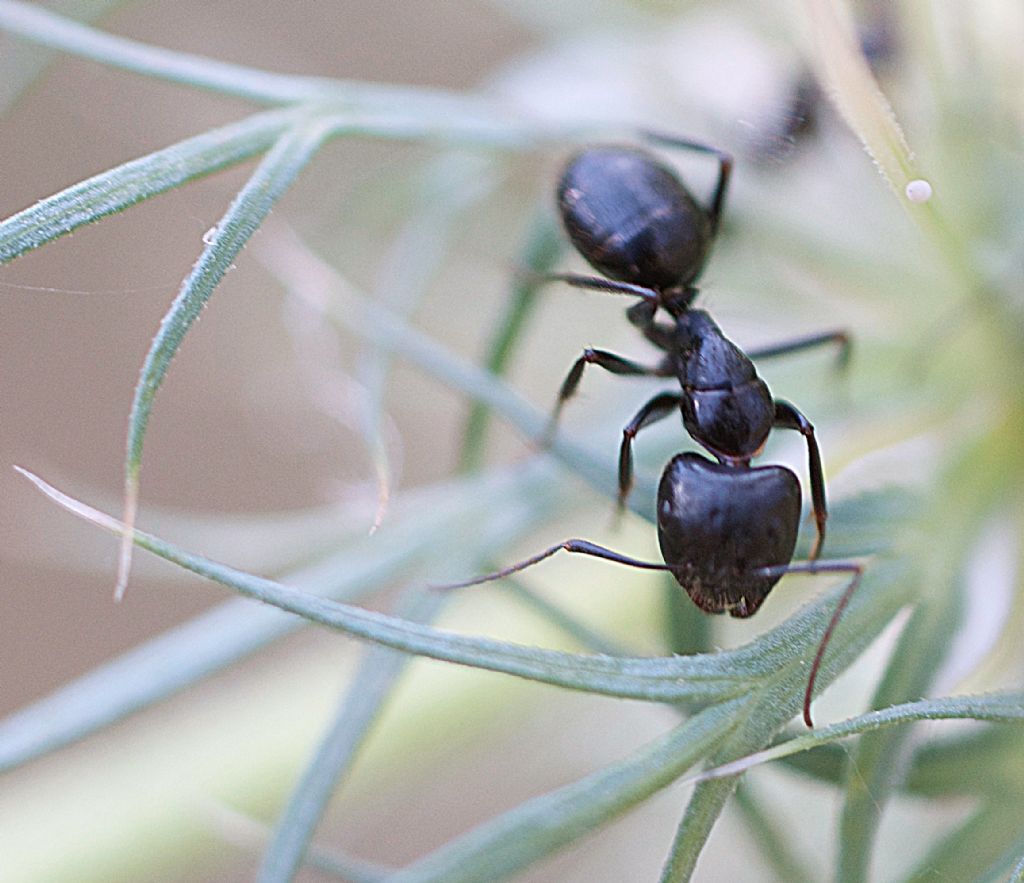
785 124
727 530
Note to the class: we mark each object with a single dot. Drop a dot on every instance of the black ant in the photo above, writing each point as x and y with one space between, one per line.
727 530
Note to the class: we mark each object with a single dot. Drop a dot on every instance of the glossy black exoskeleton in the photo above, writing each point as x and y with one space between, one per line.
633 219
727 530
720 527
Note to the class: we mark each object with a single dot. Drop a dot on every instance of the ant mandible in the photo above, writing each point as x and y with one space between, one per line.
727 530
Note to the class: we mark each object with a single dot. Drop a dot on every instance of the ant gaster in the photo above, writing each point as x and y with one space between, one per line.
727 530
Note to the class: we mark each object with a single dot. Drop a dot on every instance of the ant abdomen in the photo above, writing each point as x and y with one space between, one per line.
632 218
719 526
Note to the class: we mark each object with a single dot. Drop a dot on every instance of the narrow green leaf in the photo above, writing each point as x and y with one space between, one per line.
1005 707
973 482
873 769
705 678
132 182
984 839
21 64
231 631
293 150
989 762
216 639
539 827
416 104
1017 874
39 25
850 83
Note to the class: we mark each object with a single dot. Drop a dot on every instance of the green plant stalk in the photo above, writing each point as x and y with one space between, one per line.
538 827
214 640
1005 707
712 677
974 482
24 64
989 762
31 22
293 150
763 716
1017 874
359 709
132 182
886 586
980 842
874 765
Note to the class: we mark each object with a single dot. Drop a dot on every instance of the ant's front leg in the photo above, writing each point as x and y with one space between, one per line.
610 362
598 283
656 409
788 417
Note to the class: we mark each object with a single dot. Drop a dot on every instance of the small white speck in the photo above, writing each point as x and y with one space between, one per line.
919 190
210 236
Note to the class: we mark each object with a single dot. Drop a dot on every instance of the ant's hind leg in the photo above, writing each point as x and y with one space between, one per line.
656 409
856 571
603 359
581 547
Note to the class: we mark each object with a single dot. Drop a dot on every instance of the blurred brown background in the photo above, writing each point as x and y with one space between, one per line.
228 433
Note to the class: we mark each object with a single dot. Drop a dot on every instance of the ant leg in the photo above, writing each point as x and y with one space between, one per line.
610 362
641 316
724 169
838 337
597 283
656 409
582 547
788 417
821 567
